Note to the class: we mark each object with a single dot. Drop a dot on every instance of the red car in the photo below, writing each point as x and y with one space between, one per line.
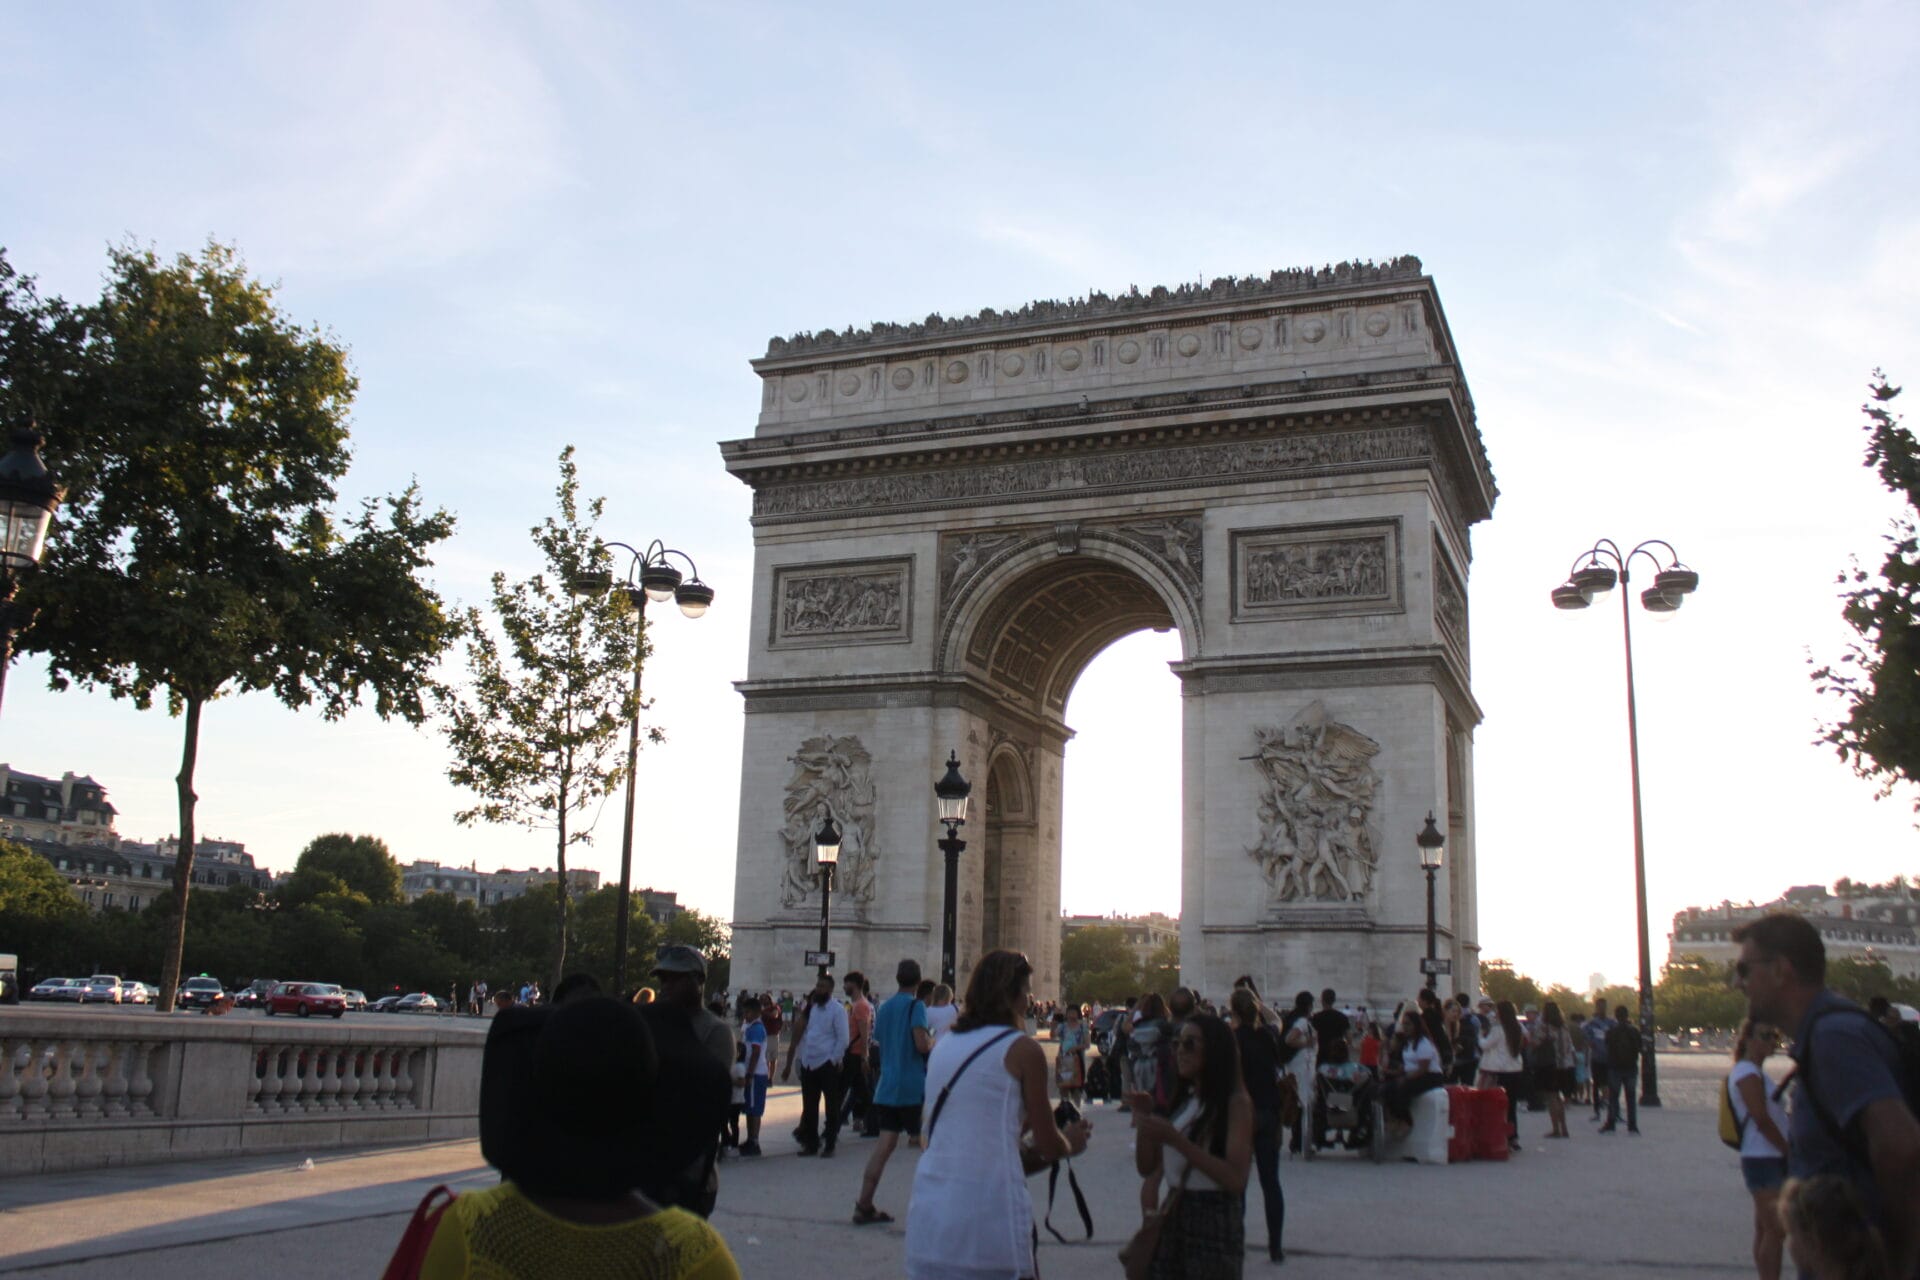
307 999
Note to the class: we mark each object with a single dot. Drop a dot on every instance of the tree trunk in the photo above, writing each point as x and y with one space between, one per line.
560 860
183 861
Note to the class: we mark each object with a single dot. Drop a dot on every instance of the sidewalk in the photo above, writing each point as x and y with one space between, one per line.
1670 1202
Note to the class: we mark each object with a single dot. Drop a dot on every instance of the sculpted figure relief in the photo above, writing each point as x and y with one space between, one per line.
1316 796
839 603
830 775
1176 542
1346 569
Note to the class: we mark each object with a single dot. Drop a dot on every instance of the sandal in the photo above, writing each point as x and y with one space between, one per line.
863 1216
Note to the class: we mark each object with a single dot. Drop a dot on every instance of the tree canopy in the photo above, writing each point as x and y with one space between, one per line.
363 864
1877 678
536 729
200 433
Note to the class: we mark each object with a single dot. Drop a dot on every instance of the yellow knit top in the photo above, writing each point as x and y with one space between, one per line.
499 1234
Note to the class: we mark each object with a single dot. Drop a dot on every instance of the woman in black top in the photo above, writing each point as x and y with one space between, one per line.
1260 1054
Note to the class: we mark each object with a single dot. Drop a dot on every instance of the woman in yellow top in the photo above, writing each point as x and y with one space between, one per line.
565 1096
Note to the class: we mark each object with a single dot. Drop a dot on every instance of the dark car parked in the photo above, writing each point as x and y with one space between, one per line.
200 992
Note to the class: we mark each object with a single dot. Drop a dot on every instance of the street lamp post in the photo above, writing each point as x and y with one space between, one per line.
951 791
649 577
826 852
1673 582
28 498
1432 849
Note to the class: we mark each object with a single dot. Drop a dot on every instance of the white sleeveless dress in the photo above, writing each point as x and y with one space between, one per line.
971 1217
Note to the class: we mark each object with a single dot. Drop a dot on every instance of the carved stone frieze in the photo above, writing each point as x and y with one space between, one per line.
1315 570
1317 784
1073 476
1175 543
830 775
962 555
848 603
1449 599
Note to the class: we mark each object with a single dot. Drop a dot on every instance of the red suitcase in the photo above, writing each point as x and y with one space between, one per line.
1460 1114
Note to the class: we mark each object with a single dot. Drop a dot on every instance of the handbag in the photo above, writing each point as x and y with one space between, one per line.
1136 1256
411 1253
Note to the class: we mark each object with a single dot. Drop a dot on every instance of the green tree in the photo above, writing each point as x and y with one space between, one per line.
1500 981
363 864
711 937
1096 963
1161 972
1692 992
535 733
197 555
29 886
1878 677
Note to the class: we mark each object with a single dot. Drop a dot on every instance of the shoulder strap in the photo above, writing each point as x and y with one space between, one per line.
1079 1199
1849 1141
940 1102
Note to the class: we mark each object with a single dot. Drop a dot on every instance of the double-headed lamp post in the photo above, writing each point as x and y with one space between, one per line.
952 792
649 577
1433 847
826 853
28 497
1595 572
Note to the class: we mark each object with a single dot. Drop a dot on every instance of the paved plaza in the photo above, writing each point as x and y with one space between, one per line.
1666 1203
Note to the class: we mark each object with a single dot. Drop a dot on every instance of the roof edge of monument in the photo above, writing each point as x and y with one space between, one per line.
1101 306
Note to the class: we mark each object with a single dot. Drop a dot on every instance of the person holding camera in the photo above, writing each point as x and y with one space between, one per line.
971 1214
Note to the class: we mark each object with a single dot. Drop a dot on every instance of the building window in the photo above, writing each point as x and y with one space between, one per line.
133 902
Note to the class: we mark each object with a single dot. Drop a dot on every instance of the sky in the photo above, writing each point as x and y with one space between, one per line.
1672 242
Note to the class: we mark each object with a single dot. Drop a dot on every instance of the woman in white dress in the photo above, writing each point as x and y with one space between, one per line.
1762 1122
971 1217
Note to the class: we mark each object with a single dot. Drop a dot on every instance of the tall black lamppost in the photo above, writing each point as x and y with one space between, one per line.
28 497
1432 849
952 791
826 852
649 577
1673 582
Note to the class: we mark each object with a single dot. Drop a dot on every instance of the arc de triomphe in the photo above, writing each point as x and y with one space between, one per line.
951 519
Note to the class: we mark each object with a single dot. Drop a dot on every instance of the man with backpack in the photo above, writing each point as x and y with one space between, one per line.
1624 1047
1855 1089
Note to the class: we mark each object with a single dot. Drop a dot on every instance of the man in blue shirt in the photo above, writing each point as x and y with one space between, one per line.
1597 1027
1849 1115
900 1032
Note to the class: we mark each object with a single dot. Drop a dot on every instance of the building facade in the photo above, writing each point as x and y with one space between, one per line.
485 888
1874 926
131 875
1145 934
70 809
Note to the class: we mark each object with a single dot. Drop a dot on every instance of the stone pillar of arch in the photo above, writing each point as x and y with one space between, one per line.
952 519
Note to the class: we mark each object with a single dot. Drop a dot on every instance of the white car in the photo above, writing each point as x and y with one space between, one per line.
50 989
135 993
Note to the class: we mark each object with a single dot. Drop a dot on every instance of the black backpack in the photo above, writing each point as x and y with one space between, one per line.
1906 1048
1624 1045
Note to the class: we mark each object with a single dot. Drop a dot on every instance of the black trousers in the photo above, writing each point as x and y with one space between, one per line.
1266 1163
817 1085
856 1088
1627 1080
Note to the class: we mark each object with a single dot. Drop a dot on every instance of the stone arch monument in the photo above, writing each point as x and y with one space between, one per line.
952 518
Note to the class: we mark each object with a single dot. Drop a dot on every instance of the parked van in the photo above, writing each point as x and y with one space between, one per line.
9 979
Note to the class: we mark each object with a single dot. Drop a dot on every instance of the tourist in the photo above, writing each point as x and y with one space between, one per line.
1299 1047
1829 1233
1624 1047
1181 1005
820 1045
696 1069
1435 1021
1262 1054
971 1214
1762 1123
942 1012
1502 1065
503 999
1416 1069
900 1032
1577 1032
1597 1028
1849 1117
855 1087
1201 1153
1550 1038
1331 1026
737 1102
567 1098
1071 1062
753 1033
1467 1026
1150 1050
1120 1070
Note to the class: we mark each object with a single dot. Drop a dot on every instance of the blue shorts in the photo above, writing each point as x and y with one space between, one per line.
757 1096
1764 1173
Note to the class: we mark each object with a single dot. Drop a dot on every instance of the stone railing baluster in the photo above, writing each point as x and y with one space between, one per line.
33 1081
12 1053
270 1082
113 1095
60 1082
87 1080
404 1083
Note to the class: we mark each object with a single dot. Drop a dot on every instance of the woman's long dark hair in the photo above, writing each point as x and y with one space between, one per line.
1510 1023
996 993
1153 1006
1219 1081
1550 1014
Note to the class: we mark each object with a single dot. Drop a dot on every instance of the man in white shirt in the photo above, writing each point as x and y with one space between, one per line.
820 1042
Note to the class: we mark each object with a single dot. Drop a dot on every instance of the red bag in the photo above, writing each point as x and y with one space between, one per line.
411 1254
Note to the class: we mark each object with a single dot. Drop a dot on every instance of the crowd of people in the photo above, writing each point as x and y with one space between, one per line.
1213 1098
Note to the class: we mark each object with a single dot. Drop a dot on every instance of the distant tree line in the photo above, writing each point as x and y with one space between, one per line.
1097 963
340 917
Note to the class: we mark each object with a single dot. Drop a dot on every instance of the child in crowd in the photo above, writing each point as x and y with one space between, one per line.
737 1107
1828 1233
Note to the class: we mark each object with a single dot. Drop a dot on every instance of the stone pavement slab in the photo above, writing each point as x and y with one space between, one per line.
1669 1203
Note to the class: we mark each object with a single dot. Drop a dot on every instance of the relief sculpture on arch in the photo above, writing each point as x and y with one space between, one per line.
1317 785
830 775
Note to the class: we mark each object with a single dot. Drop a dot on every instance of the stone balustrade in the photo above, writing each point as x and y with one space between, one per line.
85 1090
